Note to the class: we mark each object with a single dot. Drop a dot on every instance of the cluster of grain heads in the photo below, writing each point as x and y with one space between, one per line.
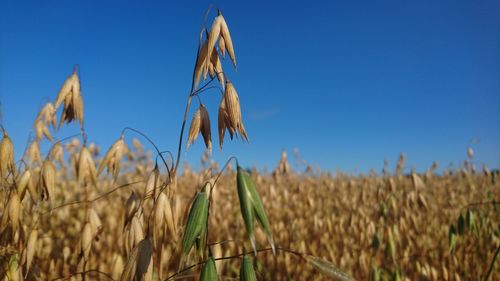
113 158
328 269
7 165
209 271
71 98
252 207
200 124
196 225
247 273
214 67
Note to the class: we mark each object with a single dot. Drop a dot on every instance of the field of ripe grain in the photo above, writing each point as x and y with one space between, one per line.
130 213
394 227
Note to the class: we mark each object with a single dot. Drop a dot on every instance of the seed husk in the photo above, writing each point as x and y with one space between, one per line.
6 157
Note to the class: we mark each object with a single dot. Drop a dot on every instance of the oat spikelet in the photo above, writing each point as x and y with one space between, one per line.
6 157
42 130
216 68
200 64
131 207
212 38
194 128
86 167
57 152
86 241
31 248
48 114
34 154
138 261
70 96
113 158
48 179
226 36
233 110
205 127
23 182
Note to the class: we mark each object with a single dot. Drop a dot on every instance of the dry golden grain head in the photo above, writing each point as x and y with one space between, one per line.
57 152
23 182
216 68
199 68
233 110
212 38
86 167
14 212
31 248
95 222
226 37
34 154
48 179
113 158
138 262
42 130
70 96
64 91
205 127
194 128
131 207
6 157
222 122
86 241
48 114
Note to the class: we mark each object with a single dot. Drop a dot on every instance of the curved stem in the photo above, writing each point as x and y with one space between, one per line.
83 273
234 257
151 142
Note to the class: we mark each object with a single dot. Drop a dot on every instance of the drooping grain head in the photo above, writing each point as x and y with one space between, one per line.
6 157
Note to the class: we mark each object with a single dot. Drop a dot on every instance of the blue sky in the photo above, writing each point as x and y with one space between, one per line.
349 83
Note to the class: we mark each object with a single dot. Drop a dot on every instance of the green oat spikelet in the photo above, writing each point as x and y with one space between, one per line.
247 273
196 225
209 271
251 206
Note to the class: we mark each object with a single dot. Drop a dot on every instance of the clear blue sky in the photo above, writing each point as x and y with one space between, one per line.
349 83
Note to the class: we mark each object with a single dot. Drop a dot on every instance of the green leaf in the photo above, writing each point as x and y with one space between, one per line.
209 271
247 273
197 222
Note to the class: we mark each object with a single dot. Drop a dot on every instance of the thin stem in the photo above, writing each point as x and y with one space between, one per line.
234 257
492 265
94 199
